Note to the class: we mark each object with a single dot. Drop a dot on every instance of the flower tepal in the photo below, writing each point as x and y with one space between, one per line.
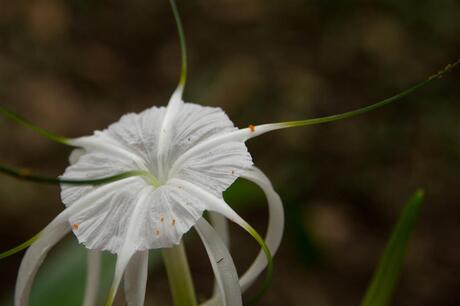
155 211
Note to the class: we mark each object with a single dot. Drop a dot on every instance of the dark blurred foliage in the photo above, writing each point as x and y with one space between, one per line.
76 66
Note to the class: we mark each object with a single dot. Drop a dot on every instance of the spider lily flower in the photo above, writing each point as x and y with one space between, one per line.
188 155
147 179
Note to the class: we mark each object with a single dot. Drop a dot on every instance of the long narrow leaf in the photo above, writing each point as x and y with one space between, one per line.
381 288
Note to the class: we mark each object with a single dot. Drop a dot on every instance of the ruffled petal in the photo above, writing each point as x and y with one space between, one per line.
103 224
222 264
50 235
93 273
135 280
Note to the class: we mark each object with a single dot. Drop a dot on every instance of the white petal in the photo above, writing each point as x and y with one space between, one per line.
50 235
131 240
103 224
35 255
92 165
222 264
93 272
211 202
220 224
216 169
275 226
239 136
135 280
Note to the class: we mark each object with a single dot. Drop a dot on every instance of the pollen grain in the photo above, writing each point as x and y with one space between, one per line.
173 222
157 232
75 226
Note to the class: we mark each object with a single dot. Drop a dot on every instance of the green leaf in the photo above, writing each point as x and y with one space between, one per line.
380 291
61 279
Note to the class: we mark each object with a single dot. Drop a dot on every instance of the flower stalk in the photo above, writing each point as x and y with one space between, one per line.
180 279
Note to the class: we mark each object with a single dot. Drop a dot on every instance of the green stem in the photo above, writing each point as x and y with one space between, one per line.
180 30
372 107
20 247
180 279
53 137
269 275
25 174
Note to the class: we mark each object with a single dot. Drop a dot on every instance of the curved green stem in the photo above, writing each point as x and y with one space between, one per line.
269 275
20 247
372 107
25 174
51 136
180 30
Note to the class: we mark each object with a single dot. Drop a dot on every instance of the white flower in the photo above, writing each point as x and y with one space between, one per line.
188 155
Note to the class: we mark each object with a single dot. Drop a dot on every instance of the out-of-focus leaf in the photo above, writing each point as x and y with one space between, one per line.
383 283
61 279
243 195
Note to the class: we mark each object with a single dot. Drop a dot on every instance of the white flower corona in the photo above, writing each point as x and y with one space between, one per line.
155 211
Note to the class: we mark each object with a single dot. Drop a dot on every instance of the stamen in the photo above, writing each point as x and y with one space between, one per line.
252 128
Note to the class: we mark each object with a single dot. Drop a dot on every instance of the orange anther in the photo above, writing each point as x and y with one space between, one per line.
75 226
252 128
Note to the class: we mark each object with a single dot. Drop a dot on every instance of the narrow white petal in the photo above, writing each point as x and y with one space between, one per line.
167 132
211 202
131 240
275 226
35 255
102 142
220 224
93 272
222 264
135 280
240 135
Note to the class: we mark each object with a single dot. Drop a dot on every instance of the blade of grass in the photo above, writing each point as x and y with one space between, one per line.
381 288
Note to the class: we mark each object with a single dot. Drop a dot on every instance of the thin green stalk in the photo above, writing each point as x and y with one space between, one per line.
180 30
25 174
269 274
372 107
51 136
20 247
180 279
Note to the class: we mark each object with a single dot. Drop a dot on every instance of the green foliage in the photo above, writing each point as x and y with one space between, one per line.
380 291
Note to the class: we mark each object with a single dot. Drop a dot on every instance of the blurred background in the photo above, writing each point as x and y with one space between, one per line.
77 66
